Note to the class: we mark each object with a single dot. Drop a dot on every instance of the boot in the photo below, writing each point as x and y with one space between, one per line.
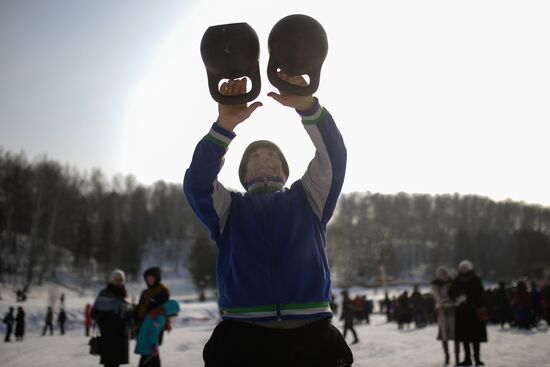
477 354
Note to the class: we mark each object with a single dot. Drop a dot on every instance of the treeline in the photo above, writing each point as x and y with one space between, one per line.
52 215
378 237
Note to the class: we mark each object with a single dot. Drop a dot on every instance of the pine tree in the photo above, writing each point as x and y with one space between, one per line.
202 262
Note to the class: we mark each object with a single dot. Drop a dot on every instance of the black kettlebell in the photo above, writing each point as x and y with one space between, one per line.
298 45
231 51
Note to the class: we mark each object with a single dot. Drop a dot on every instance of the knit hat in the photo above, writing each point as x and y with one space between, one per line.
466 264
253 147
117 273
441 269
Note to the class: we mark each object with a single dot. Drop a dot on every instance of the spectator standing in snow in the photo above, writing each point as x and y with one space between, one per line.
545 301
48 322
61 318
150 303
536 302
404 313
271 227
20 324
522 306
358 308
348 315
470 326
88 321
367 308
445 309
153 296
502 305
8 320
333 304
417 303
112 314
387 307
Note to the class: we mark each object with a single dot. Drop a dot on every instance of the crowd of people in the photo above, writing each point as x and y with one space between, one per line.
510 304
518 305
461 307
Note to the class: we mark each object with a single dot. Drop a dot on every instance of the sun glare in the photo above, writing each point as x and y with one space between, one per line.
429 98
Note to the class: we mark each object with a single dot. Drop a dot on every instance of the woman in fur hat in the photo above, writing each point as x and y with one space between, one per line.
445 311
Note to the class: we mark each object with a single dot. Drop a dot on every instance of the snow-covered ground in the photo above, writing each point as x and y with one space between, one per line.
381 344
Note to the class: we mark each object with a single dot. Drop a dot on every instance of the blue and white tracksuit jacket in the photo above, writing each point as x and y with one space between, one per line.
272 261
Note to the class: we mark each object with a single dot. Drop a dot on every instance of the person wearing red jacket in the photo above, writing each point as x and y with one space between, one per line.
88 322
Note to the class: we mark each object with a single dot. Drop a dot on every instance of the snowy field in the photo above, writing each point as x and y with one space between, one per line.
381 344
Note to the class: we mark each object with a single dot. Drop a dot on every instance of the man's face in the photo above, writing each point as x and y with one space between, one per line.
264 162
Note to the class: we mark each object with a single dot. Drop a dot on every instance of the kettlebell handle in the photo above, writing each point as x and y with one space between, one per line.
292 88
214 80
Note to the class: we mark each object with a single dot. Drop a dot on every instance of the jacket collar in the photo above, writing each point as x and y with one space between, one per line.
265 184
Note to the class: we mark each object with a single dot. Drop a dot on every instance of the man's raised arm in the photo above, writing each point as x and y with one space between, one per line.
208 198
325 174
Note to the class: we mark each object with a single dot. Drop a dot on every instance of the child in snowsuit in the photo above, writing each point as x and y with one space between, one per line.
156 321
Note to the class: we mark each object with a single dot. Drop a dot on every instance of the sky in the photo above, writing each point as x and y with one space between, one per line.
430 96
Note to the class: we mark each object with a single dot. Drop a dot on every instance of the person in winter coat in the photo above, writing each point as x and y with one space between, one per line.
470 326
348 315
20 324
502 305
388 306
48 322
274 279
112 313
368 306
153 296
9 320
523 307
358 308
404 310
445 309
88 321
536 302
545 301
150 303
417 303
61 318
148 339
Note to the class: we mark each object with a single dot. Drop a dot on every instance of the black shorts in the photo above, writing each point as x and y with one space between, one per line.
241 344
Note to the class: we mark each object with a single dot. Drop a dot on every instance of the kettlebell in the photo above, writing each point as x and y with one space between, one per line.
298 45
230 51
